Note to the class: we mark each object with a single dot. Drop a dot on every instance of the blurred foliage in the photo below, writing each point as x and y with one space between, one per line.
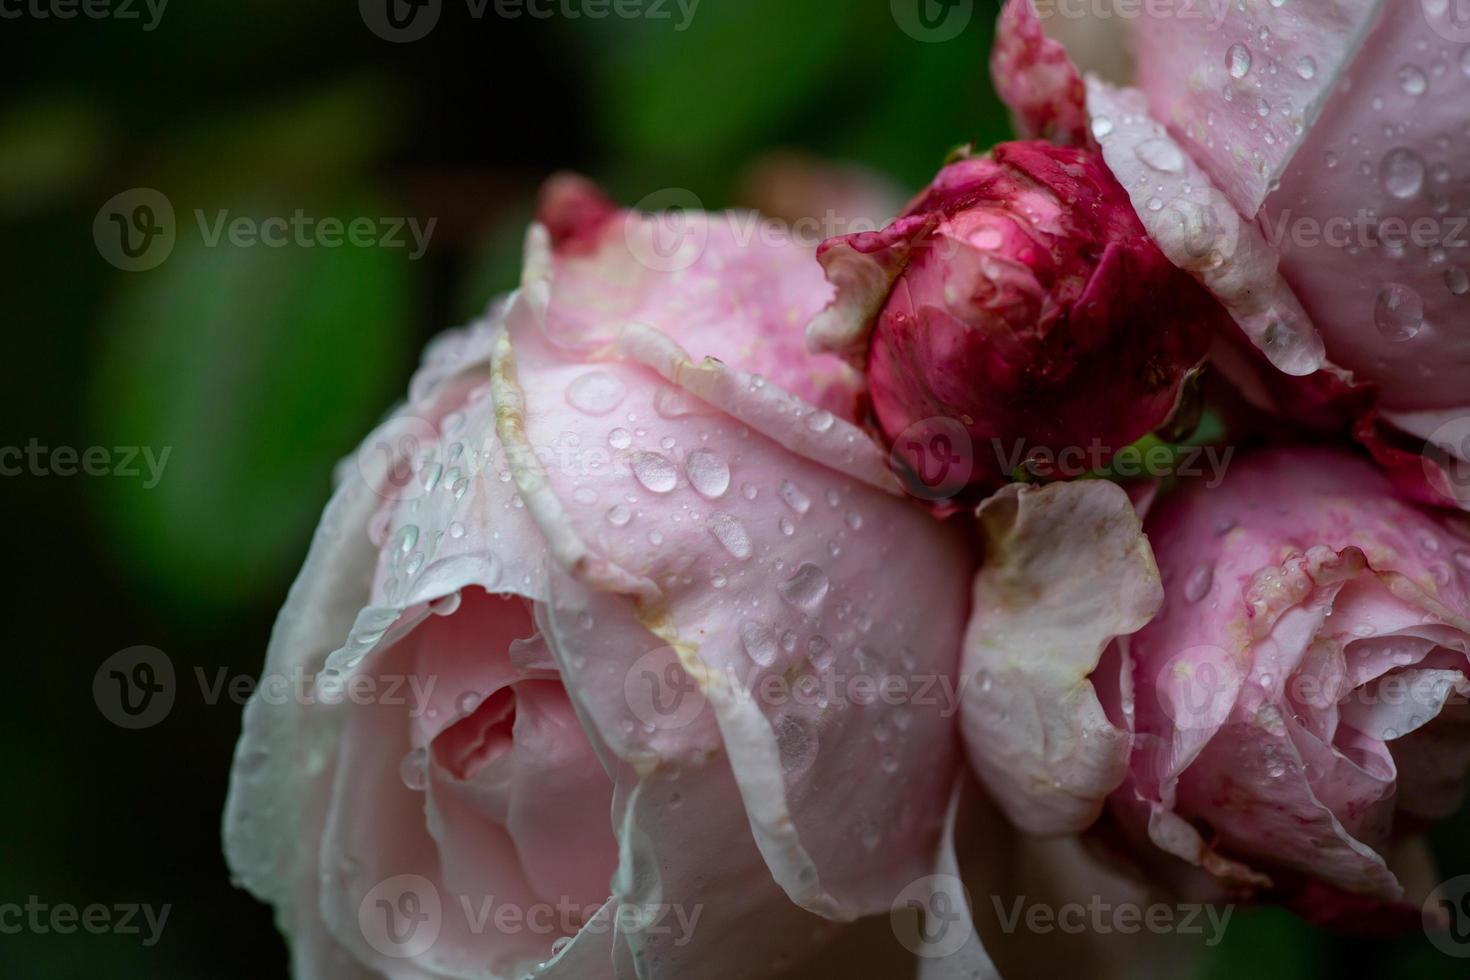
261 367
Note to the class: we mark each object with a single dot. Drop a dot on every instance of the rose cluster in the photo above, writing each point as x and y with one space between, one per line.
756 589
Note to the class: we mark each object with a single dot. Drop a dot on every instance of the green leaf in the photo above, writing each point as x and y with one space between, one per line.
256 369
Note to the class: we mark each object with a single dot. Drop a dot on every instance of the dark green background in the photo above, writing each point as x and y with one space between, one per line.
261 367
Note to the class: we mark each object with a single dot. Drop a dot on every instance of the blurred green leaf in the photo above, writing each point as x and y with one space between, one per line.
257 368
47 149
1267 944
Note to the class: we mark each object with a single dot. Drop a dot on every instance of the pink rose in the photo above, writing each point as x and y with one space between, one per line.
1016 305
1304 161
1299 706
581 632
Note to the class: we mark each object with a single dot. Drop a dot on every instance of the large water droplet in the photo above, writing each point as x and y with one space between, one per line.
619 515
820 420
1399 312
758 642
1102 128
596 392
795 497
620 438
1307 68
1197 586
1402 173
1457 281
1413 80
730 533
1238 60
655 471
709 474
806 589
414 769
1161 155
819 651
797 744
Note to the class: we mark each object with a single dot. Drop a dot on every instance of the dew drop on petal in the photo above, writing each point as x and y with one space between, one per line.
1457 281
1197 586
1102 127
620 438
731 534
413 770
709 474
1307 68
1161 155
758 642
596 392
619 515
820 420
1413 80
806 588
1238 60
655 471
795 497
1399 312
1402 173
797 744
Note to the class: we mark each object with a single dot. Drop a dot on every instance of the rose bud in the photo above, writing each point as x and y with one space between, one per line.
1018 306
1299 705
1305 161
576 632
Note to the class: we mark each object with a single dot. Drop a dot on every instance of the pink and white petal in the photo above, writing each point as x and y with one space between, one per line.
1038 81
1067 570
1200 231
1242 92
749 562
862 268
1390 146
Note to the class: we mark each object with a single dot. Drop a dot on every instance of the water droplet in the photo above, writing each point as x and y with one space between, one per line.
1197 586
797 744
833 499
819 652
806 588
730 533
709 474
413 770
787 528
619 515
1238 60
820 420
596 393
795 497
1399 312
1161 155
872 836
854 520
758 642
1462 559
673 403
655 471
1307 68
1102 128
749 491
1457 281
467 702
456 530
1413 80
408 537
620 438
1402 173
788 641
